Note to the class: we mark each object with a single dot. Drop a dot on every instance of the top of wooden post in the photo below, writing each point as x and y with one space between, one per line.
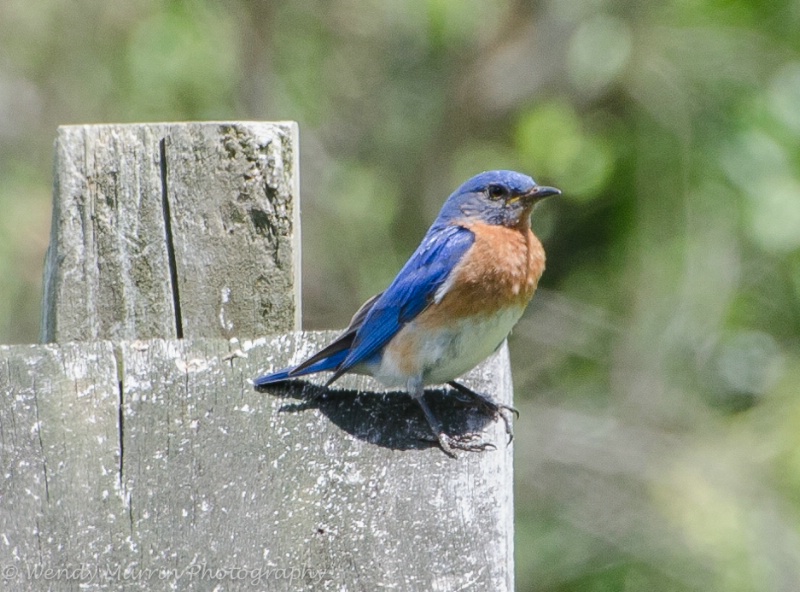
173 230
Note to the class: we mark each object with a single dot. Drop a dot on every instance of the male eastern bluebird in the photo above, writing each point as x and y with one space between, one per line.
452 304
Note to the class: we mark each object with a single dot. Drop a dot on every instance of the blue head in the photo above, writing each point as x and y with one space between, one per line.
496 197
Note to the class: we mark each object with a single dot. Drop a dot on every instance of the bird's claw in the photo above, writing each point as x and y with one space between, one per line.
491 408
467 442
504 412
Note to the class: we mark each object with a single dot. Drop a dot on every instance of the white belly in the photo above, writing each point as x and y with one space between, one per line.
443 354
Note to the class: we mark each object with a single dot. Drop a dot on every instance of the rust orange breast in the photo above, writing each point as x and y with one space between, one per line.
500 270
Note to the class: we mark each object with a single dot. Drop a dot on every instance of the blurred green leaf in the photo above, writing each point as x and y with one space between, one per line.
182 62
551 142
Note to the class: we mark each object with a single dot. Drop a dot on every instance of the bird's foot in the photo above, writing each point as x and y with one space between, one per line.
471 442
489 407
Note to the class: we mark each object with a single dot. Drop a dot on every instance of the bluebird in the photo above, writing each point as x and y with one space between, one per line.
453 303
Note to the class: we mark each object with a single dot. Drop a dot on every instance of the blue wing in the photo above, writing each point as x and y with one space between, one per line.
410 292
327 358
383 315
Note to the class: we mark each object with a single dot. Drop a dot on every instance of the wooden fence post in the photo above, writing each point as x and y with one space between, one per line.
133 459
173 230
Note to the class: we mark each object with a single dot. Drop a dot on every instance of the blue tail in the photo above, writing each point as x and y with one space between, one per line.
326 364
327 359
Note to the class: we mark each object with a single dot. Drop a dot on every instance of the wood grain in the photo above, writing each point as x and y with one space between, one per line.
173 230
158 456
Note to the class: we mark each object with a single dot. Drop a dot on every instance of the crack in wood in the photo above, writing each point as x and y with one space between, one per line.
173 264
41 442
119 364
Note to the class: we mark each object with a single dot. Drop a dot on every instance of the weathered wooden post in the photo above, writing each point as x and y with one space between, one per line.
138 456
173 230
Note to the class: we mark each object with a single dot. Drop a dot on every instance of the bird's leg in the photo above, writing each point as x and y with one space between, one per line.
449 444
489 406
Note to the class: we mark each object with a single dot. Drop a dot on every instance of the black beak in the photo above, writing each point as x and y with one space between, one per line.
540 192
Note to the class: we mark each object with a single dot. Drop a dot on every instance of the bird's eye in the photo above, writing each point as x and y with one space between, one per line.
496 191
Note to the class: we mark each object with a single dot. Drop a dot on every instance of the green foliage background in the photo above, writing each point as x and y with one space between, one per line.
657 370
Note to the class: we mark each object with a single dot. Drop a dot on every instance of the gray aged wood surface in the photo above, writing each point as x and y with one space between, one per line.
154 465
135 463
173 230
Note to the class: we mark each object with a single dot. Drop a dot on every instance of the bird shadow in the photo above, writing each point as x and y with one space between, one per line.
388 419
